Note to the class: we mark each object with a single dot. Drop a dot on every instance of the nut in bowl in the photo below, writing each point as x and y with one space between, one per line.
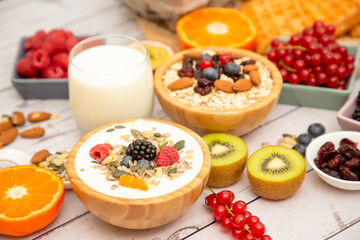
341 163
231 90
137 190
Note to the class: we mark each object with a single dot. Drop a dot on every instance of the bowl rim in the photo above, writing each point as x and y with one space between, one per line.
202 175
323 139
195 52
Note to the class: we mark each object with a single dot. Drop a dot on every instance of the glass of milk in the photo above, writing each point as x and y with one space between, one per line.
110 79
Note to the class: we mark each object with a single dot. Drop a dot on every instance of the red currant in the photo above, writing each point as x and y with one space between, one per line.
333 82
247 215
318 24
238 221
294 78
315 59
297 53
205 63
313 47
319 31
307 59
341 72
239 207
296 39
224 58
333 46
327 57
275 43
331 69
308 31
248 236
342 84
312 82
288 60
325 39
225 197
280 54
337 58
265 237
220 212
252 220
211 200
284 74
271 55
343 51
350 68
305 75
317 69
258 229
226 223
299 65
350 59
330 29
308 39
237 233
321 78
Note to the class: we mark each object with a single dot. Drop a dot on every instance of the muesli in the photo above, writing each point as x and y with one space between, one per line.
218 81
148 157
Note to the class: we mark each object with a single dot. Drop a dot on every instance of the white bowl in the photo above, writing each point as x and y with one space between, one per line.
335 137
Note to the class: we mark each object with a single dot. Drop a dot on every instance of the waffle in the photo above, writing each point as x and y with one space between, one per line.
285 18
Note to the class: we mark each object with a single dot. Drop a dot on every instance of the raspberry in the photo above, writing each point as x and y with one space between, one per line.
40 59
70 43
40 34
167 156
37 43
100 151
29 54
55 42
61 59
28 45
53 71
24 67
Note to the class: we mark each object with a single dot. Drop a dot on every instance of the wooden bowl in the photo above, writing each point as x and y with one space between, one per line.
237 121
132 208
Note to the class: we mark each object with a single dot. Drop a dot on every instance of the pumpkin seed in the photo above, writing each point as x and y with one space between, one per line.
134 168
119 126
95 162
142 170
135 133
113 169
110 130
118 174
172 171
157 134
53 166
179 145
163 145
61 169
115 163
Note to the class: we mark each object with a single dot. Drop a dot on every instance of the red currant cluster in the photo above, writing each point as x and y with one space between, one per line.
235 217
313 58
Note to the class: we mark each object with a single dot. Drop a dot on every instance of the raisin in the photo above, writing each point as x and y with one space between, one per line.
202 90
204 82
248 62
198 73
353 162
347 174
185 73
215 58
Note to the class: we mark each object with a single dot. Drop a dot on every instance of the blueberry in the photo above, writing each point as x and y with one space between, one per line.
231 68
316 129
203 56
143 162
125 161
304 139
211 74
300 148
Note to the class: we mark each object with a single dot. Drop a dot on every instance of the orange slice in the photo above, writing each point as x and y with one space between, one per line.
30 199
216 27
133 182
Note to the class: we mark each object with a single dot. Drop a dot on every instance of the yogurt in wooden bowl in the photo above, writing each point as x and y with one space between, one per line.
168 191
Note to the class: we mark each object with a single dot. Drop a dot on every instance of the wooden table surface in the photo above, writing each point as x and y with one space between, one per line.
317 211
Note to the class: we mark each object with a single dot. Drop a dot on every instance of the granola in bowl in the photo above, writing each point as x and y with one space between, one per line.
235 82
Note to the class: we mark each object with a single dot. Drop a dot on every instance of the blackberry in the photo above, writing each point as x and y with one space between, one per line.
141 149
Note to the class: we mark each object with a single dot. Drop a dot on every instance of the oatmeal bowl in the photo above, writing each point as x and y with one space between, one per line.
139 173
218 89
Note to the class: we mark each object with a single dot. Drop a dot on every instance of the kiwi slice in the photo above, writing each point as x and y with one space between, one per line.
228 158
276 172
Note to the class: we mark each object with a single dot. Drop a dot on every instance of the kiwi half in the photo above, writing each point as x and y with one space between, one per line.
228 158
276 172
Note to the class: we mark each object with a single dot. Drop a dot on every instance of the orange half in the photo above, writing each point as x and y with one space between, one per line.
223 27
30 199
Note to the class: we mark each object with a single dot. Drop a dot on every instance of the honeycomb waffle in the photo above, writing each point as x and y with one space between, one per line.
285 18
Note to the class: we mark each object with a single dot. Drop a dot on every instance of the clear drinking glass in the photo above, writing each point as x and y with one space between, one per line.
110 79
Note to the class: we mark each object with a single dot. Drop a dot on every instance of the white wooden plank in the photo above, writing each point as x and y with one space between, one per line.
352 232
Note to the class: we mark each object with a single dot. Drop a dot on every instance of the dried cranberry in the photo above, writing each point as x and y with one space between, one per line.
198 73
328 146
185 73
331 173
202 90
347 174
346 141
318 162
335 162
248 62
348 151
204 82
353 162
327 155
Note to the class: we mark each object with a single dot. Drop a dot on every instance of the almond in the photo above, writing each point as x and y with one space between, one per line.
255 77
242 85
249 68
38 116
18 118
8 136
224 86
181 83
33 132
40 156
5 125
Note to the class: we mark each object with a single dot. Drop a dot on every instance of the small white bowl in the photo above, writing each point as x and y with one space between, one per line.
335 137
344 115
